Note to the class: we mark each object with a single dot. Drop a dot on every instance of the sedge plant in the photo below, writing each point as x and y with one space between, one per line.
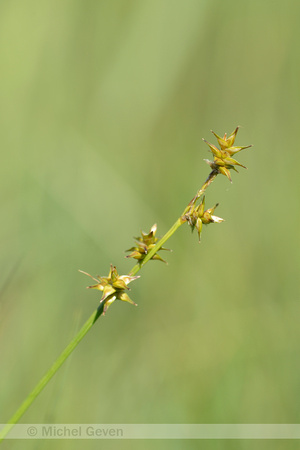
147 247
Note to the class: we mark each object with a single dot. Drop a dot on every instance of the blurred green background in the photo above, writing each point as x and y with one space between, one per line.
103 105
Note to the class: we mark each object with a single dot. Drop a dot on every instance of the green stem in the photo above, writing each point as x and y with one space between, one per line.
51 372
201 191
95 316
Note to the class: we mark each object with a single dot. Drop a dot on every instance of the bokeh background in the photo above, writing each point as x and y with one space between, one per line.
103 105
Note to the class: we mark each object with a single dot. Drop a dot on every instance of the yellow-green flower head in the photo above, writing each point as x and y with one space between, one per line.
113 287
144 244
223 161
198 216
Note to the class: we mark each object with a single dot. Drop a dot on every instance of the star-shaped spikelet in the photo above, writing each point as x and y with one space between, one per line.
114 287
144 244
197 216
223 161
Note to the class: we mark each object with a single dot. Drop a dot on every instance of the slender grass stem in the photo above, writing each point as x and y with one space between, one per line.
51 372
201 191
94 317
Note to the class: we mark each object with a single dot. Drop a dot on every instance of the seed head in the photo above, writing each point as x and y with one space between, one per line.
144 244
113 287
223 161
197 216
